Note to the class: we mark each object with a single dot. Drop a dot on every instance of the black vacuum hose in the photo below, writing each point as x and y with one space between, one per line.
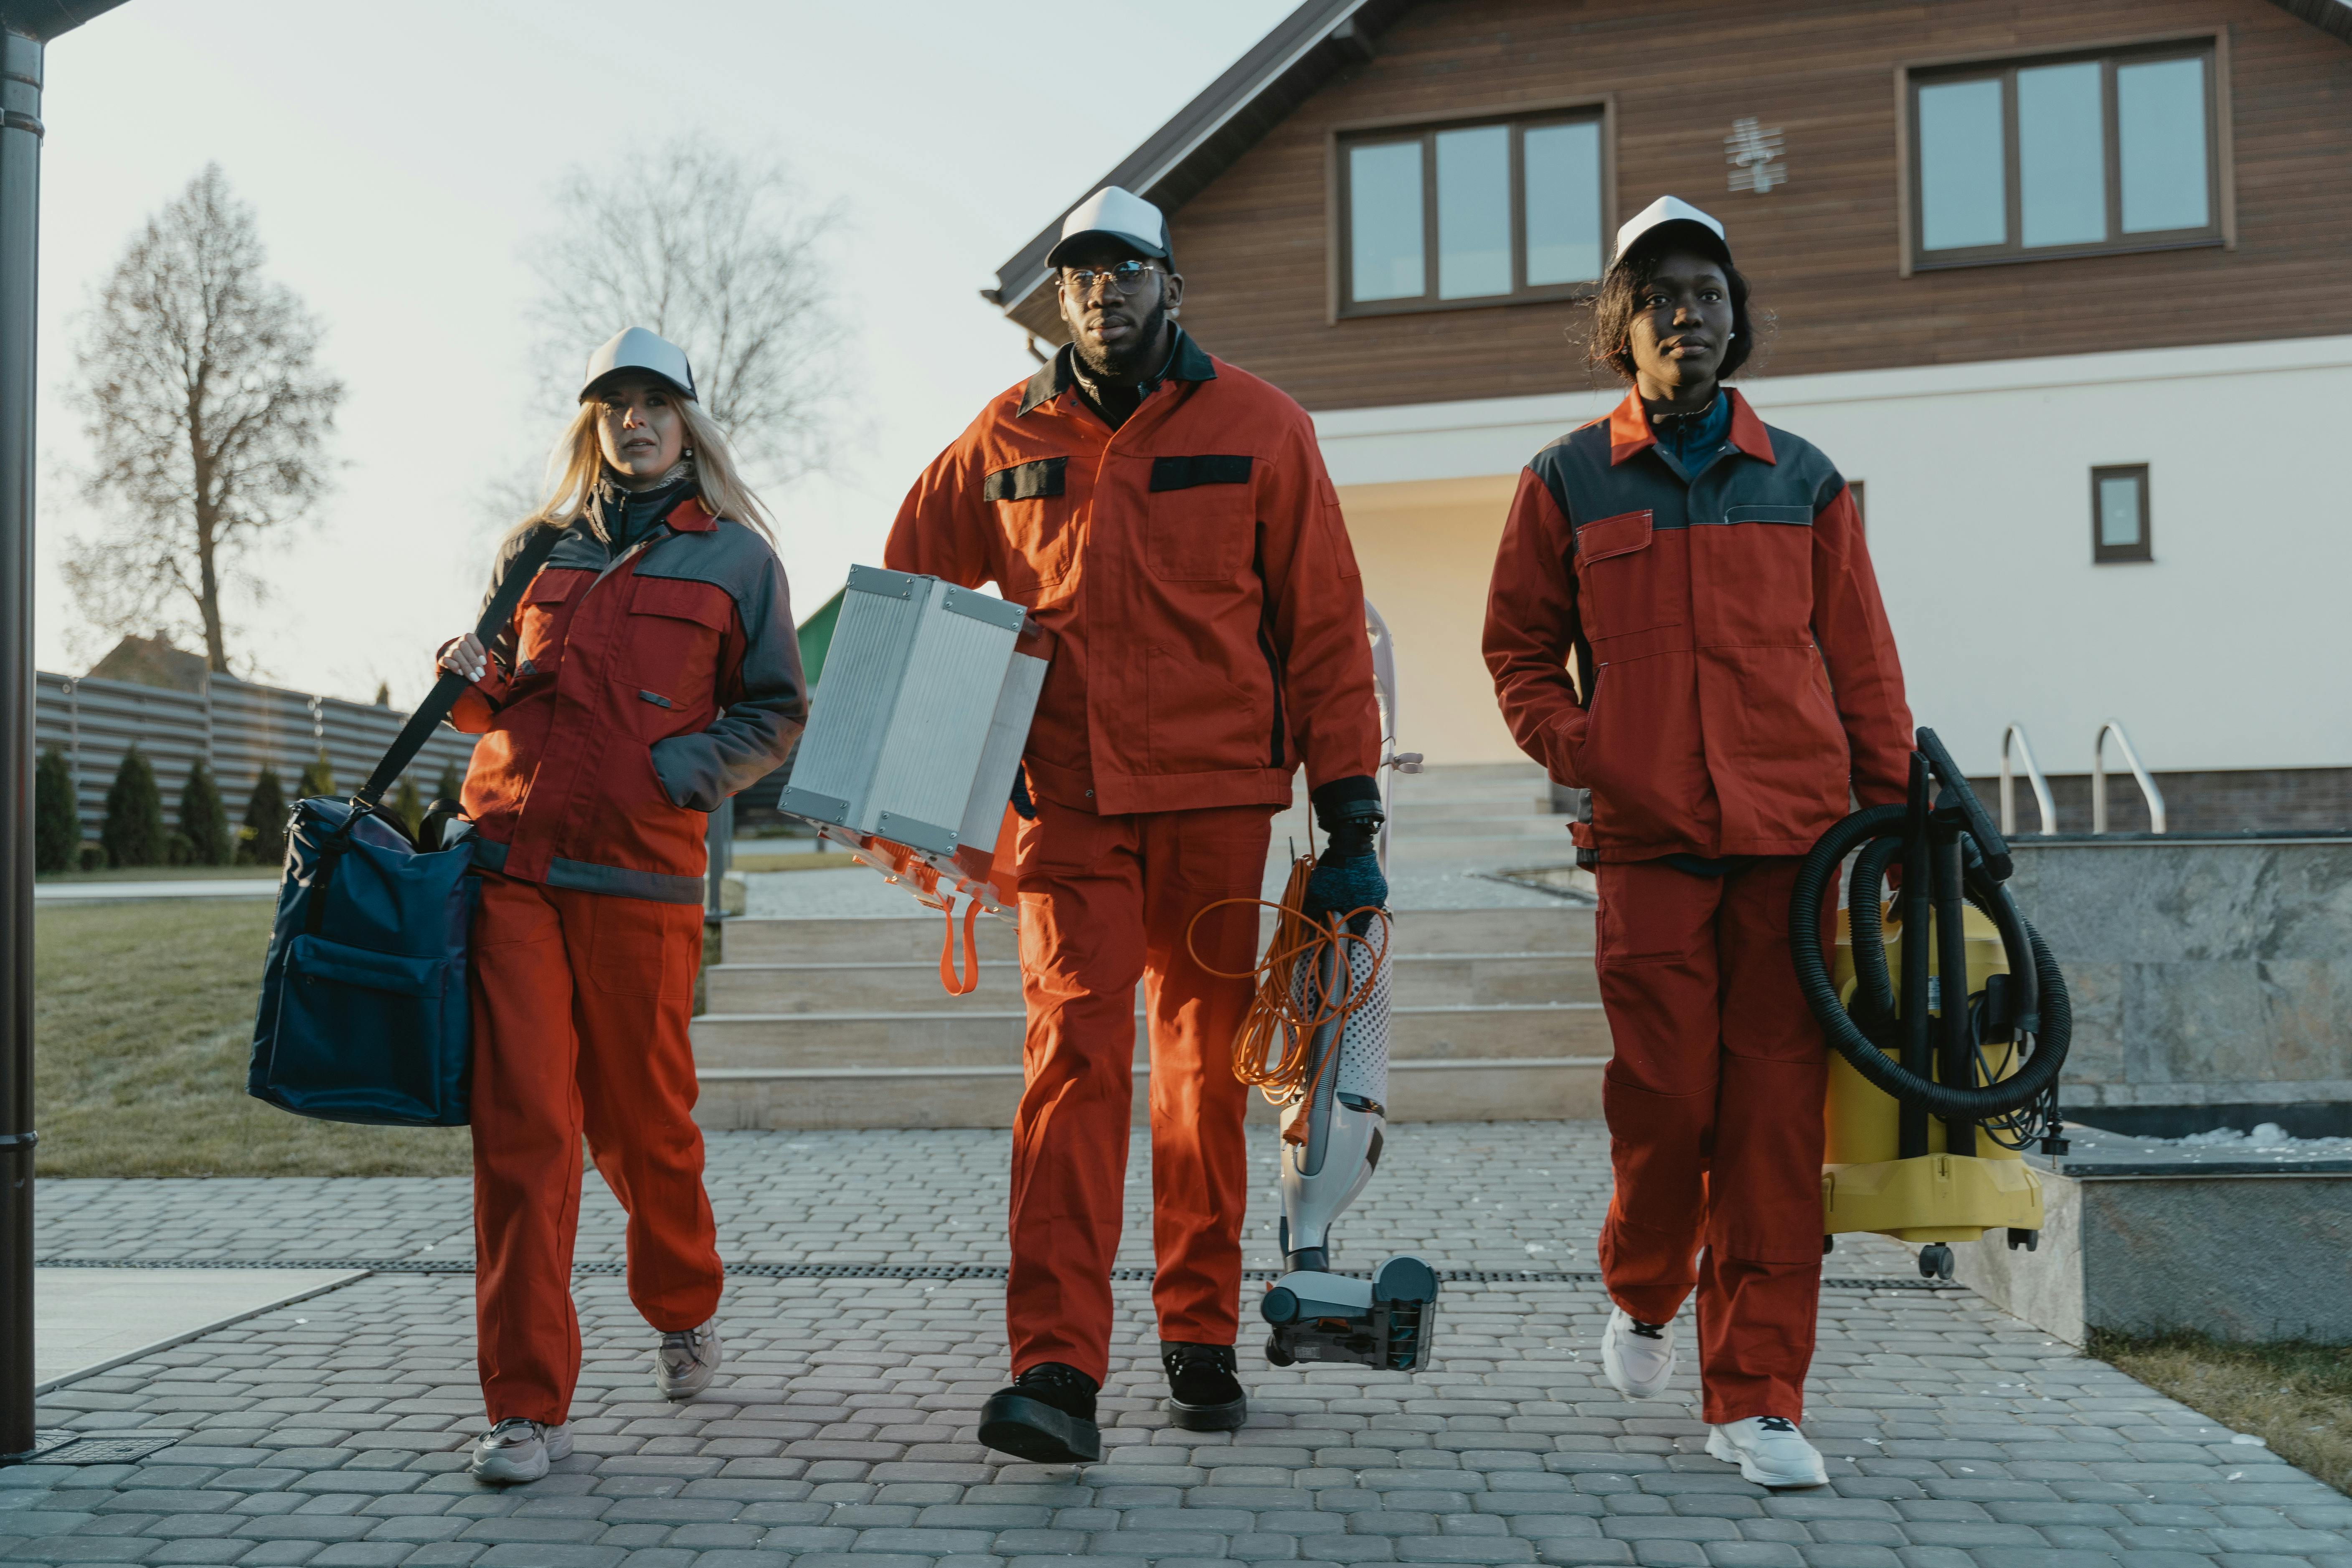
1867 830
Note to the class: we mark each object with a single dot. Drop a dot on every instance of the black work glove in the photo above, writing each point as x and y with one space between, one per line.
1346 876
1023 807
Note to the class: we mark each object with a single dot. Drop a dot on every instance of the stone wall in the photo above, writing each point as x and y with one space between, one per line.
2234 800
2203 970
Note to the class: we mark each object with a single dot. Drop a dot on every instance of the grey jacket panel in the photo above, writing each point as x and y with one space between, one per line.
588 877
1731 487
755 733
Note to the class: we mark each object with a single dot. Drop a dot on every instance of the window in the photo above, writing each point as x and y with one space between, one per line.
1470 215
2119 514
2065 157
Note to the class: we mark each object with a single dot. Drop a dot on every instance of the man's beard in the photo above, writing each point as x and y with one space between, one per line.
1129 368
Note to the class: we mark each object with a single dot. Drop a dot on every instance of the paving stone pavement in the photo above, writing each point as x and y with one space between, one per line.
1469 1196
840 1435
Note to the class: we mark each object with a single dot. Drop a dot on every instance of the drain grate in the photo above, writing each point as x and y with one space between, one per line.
83 1448
605 1268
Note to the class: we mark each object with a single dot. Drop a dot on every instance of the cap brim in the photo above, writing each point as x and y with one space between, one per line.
1677 231
1070 242
618 371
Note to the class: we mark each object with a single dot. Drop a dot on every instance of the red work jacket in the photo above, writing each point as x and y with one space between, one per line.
1203 613
626 699
1739 674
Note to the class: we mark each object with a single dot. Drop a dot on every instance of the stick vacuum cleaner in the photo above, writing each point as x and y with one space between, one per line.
1948 1018
1336 1112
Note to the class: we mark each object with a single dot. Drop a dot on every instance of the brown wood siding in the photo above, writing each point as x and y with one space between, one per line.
1822 250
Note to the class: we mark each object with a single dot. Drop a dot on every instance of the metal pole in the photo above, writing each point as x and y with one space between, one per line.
20 204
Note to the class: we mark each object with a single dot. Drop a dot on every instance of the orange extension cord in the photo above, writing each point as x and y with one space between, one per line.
1270 1048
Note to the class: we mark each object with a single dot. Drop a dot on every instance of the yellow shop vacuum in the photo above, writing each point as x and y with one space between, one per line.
1935 1090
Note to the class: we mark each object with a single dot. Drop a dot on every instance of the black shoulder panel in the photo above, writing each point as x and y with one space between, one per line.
1801 466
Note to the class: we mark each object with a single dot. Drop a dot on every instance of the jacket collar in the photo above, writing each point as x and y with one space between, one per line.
1630 432
1187 361
688 517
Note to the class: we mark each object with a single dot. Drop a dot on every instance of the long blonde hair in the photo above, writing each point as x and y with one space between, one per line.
576 471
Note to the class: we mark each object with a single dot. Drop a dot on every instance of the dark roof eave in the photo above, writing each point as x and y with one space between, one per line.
1280 71
44 19
2328 15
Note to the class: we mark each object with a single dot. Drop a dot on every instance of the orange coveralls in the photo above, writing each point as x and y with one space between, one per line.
626 699
1741 683
1206 624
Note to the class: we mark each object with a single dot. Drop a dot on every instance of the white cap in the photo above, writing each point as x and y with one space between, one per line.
1114 214
1668 210
635 349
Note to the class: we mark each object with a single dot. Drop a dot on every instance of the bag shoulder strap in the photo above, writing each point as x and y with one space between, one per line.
445 691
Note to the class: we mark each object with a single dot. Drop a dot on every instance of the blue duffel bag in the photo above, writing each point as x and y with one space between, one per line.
364 1013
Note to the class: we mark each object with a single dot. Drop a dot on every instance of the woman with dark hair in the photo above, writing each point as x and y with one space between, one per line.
1735 680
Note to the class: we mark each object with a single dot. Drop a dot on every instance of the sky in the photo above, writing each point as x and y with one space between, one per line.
399 161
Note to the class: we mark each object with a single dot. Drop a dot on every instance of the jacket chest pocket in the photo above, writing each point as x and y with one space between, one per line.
541 624
1201 518
1759 564
1032 515
669 646
1626 582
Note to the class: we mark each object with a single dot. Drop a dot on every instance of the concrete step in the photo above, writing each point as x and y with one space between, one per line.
1467 854
1519 1090
1419 980
1566 928
991 1037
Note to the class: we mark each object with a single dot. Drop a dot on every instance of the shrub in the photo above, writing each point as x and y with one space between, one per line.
179 849
91 856
204 818
56 815
265 821
318 779
133 833
408 807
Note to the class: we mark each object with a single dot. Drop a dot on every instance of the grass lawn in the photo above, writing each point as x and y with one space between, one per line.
805 861
143 1022
2296 1398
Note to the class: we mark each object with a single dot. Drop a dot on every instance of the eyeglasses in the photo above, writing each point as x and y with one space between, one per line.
1124 276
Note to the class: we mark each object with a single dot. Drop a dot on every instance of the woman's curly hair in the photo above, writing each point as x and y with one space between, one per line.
1620 300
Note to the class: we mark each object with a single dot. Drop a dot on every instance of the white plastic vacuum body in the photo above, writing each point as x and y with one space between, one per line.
1332 1139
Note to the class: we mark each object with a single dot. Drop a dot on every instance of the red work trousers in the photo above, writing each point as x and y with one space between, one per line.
1105 901
1714 1100
581 1004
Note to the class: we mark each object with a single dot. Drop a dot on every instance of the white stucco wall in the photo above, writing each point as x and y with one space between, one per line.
2232 649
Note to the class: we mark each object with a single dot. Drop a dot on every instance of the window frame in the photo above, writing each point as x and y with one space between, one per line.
2220 187
2103 553
1338 246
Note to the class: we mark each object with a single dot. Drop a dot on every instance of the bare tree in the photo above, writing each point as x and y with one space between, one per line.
207 414
722 255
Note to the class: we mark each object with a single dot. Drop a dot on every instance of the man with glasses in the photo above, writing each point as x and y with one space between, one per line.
1167 521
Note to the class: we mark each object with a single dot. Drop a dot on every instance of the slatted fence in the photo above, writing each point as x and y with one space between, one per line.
238 729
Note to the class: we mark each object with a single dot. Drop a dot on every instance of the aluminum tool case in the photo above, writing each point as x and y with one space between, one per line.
916 728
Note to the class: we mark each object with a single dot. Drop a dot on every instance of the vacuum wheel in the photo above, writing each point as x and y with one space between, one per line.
2029 1239
1275 1353
1829 1245
1935 1261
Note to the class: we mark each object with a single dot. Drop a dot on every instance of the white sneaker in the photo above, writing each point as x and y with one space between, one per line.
686 1361
1770 1451
518 1450
1637 1357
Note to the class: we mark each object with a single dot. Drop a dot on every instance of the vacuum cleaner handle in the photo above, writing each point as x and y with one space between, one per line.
1957 791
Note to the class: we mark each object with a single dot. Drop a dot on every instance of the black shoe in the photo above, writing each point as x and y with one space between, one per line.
1047 1416
1203 1394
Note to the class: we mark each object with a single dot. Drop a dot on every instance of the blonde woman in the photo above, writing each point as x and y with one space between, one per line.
650 672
